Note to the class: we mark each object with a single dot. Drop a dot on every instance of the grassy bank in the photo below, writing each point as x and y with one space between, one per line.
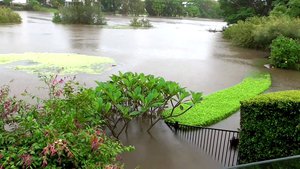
217 106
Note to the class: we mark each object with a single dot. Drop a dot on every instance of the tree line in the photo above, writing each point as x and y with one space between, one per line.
170 8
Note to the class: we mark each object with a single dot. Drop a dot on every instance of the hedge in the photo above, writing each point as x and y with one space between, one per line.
270 126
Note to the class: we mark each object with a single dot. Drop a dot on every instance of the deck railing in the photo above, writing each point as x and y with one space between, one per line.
220 144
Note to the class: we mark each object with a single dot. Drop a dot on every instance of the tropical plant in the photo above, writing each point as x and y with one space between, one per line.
129 96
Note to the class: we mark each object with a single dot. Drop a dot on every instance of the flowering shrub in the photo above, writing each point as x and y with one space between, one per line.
63 130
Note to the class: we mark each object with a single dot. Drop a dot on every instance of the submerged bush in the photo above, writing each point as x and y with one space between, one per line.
285 53
9 16
129 96
135 22
78 13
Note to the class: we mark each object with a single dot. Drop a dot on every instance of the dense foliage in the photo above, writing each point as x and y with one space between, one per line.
88 12
9 16
131 96
217 106
235 10
270 127
137 23
285 53
65 130
258 32
193 8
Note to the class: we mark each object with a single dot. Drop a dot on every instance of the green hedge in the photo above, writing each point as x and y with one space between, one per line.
270 126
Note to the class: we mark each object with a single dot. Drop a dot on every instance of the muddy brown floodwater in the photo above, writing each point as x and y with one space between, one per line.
176 49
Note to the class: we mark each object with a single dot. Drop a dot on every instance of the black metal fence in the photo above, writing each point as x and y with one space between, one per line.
220 144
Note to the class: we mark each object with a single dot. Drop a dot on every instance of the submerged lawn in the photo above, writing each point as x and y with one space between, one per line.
217 106
53 62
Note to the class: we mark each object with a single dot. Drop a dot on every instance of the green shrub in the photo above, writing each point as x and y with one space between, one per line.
79 13
285 53
270 126
9 16
63 131
145 23
258 32
56 18
217 106
241 33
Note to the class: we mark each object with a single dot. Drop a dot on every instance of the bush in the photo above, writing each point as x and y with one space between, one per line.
270 127
145 23
241 34
33 5
63 131
9 16
258 32
285 53
79 13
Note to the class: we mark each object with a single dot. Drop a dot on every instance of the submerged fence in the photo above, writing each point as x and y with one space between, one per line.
220 144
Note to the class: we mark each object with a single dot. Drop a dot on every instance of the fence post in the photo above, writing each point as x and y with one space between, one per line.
176 126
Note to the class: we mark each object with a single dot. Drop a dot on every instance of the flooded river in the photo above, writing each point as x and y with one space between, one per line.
176 49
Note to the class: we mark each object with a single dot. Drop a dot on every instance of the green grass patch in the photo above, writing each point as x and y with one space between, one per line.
217 106
45 63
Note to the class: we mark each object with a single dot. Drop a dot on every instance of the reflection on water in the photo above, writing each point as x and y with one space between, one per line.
177 49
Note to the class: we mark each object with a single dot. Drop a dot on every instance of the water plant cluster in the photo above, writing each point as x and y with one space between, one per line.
143 22
76 127
221 104
45 63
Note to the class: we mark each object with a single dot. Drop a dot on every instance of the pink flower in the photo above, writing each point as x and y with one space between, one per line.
27 160
45 163
53 150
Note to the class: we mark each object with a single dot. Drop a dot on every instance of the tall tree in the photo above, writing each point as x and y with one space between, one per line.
234 10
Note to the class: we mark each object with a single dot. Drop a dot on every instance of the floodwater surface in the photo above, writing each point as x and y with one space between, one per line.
176 49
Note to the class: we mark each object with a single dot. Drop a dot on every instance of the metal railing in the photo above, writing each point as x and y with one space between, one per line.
220 144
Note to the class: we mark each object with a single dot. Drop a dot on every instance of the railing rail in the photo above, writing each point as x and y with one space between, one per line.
220 144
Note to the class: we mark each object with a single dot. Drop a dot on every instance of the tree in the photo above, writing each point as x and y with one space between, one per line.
111 5
234 10
7 2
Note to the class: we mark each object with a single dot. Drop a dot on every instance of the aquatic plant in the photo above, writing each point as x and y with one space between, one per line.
137 23
49 63
221 104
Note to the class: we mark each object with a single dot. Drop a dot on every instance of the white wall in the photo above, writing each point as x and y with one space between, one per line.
19 1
